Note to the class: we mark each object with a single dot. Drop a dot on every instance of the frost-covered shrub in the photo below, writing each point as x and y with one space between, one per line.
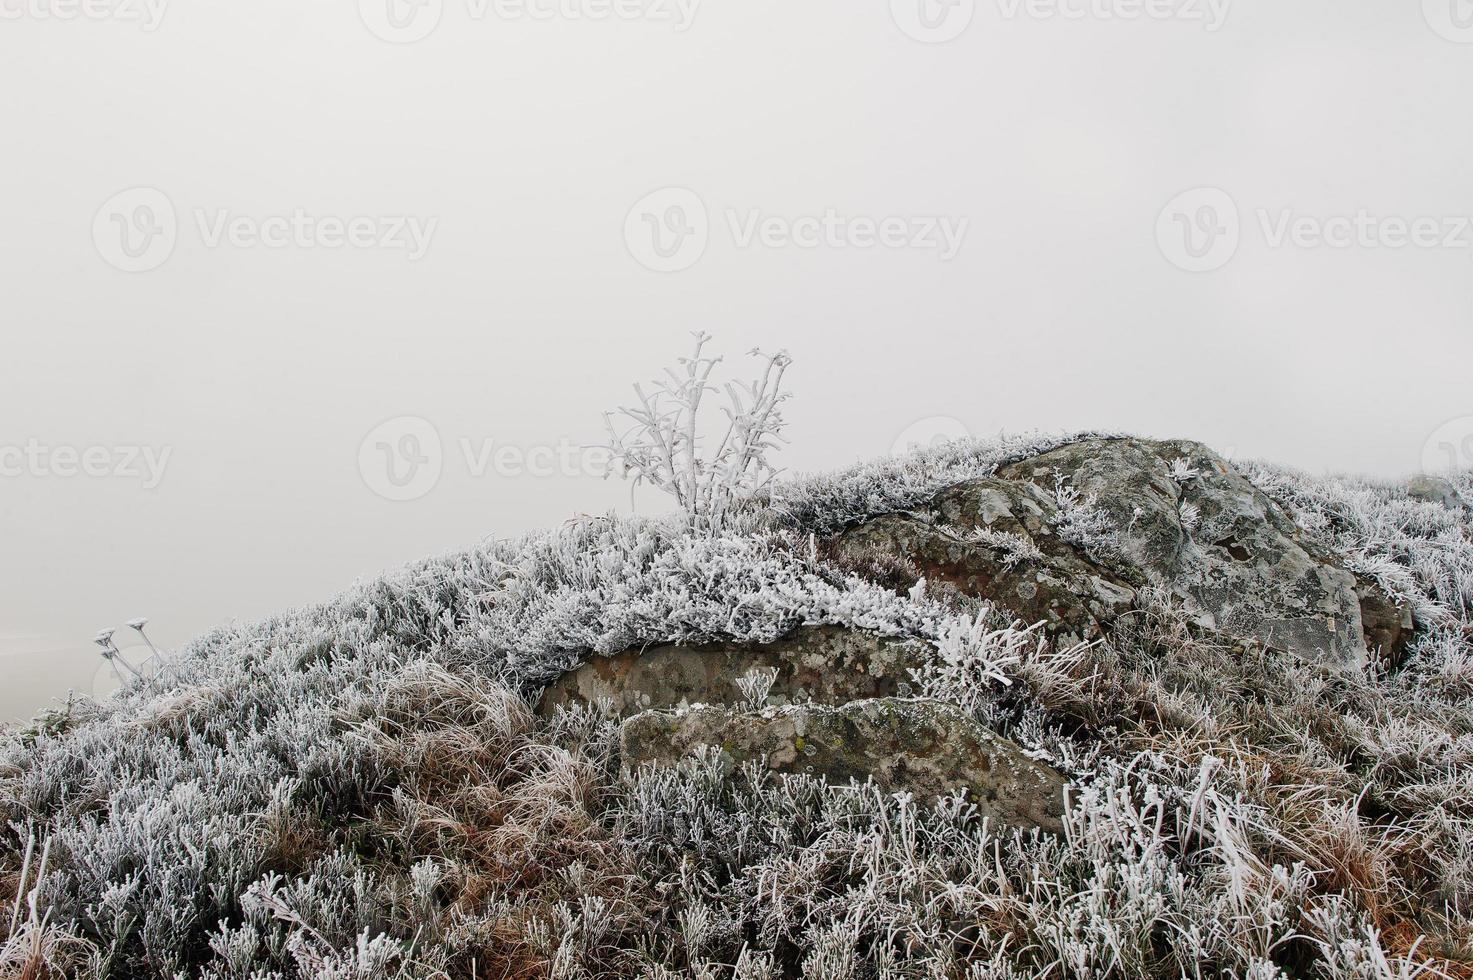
1419 552
662 442
1084 523
1014 548
972 656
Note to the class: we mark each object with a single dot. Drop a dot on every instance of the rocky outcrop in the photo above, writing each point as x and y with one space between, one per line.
838 708
1072 538
1436 490
927 748
999 539
1180 519
824 664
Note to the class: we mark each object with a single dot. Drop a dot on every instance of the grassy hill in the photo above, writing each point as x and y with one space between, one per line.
366 789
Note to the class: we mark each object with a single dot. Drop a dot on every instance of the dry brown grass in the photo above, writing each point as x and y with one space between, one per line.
1288 740
513 820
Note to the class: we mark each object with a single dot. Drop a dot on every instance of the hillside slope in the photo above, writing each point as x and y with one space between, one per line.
1076 707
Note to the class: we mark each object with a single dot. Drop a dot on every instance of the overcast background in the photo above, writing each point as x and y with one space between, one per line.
1115 176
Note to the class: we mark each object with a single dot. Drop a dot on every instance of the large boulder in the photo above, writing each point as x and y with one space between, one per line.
924 747
827 664
999 539
838 707
1033 540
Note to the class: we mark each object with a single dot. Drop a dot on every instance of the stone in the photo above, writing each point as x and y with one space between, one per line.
1387 625
1056 586
1435 490
828 664
1186 522
924 747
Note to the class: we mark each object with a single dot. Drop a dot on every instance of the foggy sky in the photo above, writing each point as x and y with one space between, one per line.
239 239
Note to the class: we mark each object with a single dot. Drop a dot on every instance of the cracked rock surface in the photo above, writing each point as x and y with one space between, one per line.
826 664
838 709
920 746
1184 521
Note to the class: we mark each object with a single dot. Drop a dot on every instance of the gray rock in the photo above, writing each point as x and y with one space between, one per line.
1241 569
827 664
927 748
1052 583
1387 626
1186 522
1435 490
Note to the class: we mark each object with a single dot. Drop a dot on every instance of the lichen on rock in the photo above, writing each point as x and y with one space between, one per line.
1182 520
826 664
924 747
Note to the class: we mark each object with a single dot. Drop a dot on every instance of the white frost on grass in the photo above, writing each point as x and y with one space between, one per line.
359 790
